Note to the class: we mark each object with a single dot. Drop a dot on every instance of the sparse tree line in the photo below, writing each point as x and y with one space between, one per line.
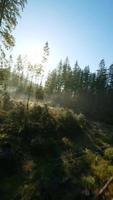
19 76
83 90
79 89
22 79
78 80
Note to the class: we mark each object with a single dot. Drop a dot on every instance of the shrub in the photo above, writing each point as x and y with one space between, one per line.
6 103
28 191
109 153
81 120
88 182
35 112
68 124
102 170
73 166
17 115
69 164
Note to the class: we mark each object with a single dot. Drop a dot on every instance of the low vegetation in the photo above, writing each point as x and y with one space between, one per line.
49 153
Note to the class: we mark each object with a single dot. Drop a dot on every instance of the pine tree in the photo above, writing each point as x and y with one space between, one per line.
76 74
110 76
86 75
101 76
9 12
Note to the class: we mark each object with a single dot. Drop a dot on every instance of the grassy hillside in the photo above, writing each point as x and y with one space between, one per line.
52 153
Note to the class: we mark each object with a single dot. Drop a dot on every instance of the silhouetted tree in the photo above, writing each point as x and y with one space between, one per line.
9 11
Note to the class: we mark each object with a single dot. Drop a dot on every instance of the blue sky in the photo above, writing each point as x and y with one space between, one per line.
79 29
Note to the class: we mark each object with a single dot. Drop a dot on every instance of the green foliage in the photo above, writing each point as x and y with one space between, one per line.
9 11
46 52
68 124
88 182
76 80
102 169
109 153
6 103
17 115
82 120
70 165
78 88
65 165
29 191
39 93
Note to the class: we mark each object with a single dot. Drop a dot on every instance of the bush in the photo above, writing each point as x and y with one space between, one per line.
68 124
6 103
109 153
35 112
17 115
81 120
88 182
69 164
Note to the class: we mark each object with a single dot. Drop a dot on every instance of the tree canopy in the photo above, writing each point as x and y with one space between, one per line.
9 12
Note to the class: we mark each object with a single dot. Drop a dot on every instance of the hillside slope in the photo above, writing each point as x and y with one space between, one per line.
51 153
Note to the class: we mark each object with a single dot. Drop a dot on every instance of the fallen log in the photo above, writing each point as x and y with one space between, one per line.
103 189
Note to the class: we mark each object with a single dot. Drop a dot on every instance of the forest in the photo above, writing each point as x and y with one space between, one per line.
56 129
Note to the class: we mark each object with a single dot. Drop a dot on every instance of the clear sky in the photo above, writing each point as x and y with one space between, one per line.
79 29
